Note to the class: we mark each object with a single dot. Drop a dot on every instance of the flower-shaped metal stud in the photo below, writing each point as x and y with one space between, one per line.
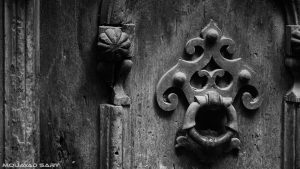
115 60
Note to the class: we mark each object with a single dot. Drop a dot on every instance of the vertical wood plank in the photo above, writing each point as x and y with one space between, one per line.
1 82
32 70
113 142
21 86
127 139
71 89
297 136
291 128
289 117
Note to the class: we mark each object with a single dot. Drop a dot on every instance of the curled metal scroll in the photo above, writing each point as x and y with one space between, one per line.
219 50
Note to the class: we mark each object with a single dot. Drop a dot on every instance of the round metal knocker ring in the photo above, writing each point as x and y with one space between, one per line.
212 98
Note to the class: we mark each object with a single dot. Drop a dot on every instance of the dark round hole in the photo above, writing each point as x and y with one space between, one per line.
224 81
211 120
225 52
198 82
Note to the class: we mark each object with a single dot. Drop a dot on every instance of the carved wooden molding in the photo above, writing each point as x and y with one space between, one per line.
115 62
223 76
291 116
111 136
291 113
293 61
115 59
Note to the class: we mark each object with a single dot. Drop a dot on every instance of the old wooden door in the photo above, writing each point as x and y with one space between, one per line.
151 84
179 47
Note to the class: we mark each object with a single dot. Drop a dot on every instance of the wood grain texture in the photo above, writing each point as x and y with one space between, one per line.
290 148
72 90
289 119
71 87
2 82
21 81
162 29
115 147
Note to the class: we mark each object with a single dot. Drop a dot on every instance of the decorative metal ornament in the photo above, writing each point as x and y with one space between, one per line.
223 78
115 60
293 61
115 43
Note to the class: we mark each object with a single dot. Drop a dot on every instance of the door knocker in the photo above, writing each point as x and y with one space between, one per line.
210 79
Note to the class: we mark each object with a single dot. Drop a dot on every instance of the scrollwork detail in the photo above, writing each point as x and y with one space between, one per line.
216 60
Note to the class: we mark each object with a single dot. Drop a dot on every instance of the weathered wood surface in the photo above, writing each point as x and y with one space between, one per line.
111 136
162 29
71 87
289 150
291 117
115 139
2 82
21 70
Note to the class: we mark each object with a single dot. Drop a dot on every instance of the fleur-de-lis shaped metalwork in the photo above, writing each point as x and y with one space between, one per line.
180 75
212 42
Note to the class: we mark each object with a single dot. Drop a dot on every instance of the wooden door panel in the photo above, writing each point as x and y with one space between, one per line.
72 89
162 29
65 68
